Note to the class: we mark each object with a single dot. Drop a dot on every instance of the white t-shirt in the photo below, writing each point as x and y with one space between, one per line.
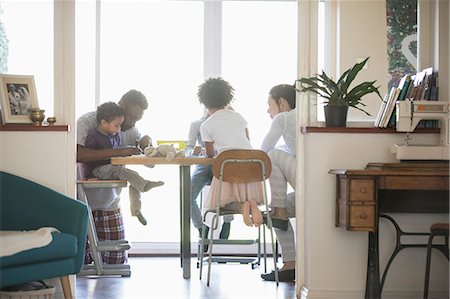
283 125
103 198
226 129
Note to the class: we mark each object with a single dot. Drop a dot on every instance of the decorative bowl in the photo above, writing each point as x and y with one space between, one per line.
51 120
37 116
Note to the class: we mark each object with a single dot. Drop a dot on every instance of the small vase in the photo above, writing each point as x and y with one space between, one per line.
37 116
335 116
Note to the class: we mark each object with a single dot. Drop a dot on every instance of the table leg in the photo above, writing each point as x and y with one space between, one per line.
181 217
373 287
185 219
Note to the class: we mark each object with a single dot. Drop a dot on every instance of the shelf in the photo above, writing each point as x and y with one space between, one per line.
363 130
30 127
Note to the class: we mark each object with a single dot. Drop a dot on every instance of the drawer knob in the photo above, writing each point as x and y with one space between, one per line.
363 216
363 190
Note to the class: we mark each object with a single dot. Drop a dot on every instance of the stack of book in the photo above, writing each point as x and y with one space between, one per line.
421 86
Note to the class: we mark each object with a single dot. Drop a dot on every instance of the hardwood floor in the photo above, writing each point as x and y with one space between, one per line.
161 277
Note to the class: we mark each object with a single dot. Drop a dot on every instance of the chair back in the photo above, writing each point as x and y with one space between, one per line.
242 166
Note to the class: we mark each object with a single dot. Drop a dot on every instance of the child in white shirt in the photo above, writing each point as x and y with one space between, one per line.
226 129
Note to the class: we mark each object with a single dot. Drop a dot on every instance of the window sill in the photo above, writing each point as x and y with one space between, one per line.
30 127
362 130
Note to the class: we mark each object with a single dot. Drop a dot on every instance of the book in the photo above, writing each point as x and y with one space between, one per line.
404 86
390 105
380 111
383 114
410 90
426 84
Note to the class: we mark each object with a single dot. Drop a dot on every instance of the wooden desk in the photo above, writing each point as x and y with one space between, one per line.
364 195
185 197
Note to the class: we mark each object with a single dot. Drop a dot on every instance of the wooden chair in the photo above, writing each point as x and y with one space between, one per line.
437 229
237 166
97 247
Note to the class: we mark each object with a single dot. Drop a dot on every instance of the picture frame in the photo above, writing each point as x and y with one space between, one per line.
17 97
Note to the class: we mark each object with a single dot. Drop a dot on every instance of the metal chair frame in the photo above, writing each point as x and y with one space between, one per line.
238 166
99 268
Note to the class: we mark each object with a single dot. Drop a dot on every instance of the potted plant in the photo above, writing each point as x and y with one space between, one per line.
337 95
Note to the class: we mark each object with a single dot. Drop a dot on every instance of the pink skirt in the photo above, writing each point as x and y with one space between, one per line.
234 192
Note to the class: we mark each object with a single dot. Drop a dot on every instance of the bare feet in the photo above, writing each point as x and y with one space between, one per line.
141 218
150 185
257 217
246 213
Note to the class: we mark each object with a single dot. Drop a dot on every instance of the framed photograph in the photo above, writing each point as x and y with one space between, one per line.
17 97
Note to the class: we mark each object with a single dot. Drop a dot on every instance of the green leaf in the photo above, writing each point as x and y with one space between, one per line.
351 75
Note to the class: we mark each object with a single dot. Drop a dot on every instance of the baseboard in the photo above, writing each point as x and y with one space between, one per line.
358 294
173 248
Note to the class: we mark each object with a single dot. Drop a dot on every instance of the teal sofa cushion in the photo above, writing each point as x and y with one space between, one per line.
63 246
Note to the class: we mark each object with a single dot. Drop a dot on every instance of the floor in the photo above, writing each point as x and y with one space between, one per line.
161 277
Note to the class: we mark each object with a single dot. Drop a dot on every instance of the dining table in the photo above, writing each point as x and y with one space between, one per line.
184 164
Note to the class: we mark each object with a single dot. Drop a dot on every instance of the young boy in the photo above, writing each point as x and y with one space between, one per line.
110 117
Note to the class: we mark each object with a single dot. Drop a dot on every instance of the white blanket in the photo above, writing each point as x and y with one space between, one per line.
12 242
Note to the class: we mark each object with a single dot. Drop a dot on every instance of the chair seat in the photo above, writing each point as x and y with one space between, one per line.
63 246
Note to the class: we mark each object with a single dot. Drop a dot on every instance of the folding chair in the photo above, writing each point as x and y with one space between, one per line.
237 166
96 246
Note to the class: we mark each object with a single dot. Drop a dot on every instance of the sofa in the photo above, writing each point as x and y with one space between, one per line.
27 206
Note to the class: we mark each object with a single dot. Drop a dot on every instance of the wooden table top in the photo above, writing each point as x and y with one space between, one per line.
144 160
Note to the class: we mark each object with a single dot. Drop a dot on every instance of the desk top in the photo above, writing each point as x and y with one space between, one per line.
144 160
398 169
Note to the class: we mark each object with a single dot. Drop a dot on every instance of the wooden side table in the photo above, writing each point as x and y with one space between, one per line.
364 195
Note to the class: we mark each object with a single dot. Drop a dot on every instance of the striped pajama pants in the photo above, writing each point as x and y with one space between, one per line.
283 173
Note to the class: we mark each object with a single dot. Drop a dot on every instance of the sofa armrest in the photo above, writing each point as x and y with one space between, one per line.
26 205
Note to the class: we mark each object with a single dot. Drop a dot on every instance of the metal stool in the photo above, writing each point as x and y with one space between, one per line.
437 229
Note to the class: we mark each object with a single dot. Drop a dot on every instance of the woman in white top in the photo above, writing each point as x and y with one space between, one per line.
226 129
282 110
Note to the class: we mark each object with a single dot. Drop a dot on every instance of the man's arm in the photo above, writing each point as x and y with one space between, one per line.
145 141
85 155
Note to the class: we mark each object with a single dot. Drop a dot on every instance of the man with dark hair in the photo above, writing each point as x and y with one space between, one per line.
105 202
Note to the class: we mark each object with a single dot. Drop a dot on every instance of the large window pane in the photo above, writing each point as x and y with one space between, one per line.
155 47
29 30
85 56
259 52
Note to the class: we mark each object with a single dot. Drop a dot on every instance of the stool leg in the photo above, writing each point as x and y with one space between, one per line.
427 267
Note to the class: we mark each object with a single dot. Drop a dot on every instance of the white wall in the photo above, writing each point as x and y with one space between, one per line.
37 156
336 259
362 33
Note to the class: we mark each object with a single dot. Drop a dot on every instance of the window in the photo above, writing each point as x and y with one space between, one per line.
23 21
158 47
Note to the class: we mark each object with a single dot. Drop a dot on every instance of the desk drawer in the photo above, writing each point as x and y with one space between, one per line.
356 217
362 190
361 217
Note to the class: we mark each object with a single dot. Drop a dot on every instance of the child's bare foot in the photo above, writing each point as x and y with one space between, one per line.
141 218
257 217
150 185
246 213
